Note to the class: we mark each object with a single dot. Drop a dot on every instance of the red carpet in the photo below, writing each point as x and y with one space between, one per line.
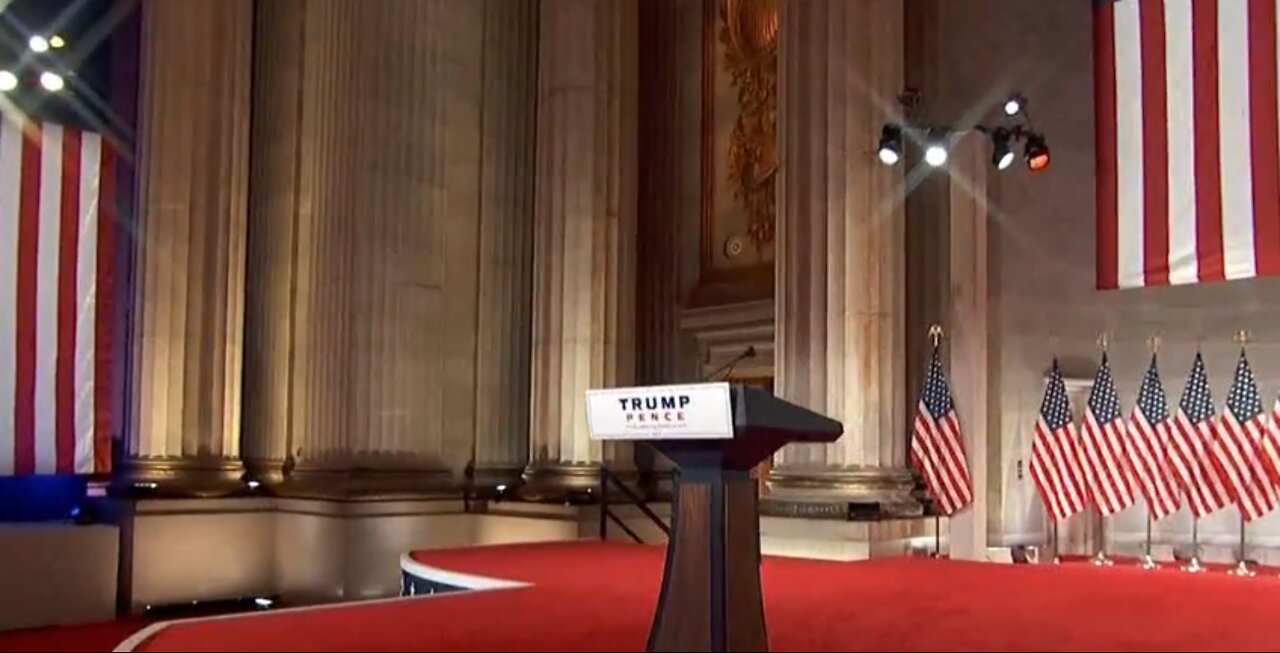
97 637
592 597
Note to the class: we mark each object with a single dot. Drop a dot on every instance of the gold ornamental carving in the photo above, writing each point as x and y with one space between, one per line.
749 34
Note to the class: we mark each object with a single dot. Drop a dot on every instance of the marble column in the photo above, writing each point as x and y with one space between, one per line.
394 208
840 270
662 169
506 241
184 421
584 231
273 212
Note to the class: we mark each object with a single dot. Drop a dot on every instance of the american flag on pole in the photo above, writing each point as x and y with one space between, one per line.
937 448
56 257
1237 446
1149 427
1055 459
1102 443
1188 157
1271 445
1190 439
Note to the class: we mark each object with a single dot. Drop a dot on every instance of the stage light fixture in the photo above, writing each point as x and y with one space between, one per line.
52 82
8 81
1037 153
57 42
935 154
890 152
38 44
1001 153
1014 105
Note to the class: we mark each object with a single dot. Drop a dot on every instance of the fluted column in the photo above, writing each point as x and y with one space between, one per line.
394 204
840 292
661 171
184 426
506 240
273 214
584 233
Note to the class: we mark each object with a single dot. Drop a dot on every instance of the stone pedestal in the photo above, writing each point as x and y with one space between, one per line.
584 233
840 269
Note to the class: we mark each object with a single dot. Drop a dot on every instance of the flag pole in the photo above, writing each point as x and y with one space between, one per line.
937 535
1148 561
1242 564
1057 546
1193 565
1101 559
935 337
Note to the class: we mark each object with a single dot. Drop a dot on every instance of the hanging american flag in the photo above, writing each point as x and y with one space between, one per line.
1102 445
1188 157
1189 440
1146 446
1055 459
937 448
1237 446
56 257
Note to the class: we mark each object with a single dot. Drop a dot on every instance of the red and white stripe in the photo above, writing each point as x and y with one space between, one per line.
939 455
55 322
1270 449
1106 468
1238 462
1190 460
1057 471
1145 449
1188 152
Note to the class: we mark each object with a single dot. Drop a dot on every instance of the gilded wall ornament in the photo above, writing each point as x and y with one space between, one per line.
749 32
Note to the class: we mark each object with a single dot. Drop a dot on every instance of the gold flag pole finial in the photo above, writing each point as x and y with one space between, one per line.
935 334
1104 342
1154 343
1243 337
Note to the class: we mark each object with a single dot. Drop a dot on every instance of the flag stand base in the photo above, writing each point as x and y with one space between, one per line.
1149 563
1243 570
1101 560
1193 566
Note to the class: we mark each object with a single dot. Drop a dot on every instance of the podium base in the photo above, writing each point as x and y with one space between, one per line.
718 536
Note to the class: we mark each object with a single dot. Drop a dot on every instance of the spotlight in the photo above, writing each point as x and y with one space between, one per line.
890 145
38 44
1037 153
52 82
935 154
1014 105
57 42
1001 154
8 81
253 485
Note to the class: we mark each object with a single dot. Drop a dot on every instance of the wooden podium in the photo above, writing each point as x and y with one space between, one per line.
711 598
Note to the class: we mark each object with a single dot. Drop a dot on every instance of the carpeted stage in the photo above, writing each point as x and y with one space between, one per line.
591 596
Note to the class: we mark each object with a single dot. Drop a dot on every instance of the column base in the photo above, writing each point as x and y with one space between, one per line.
179 478
268 473
369 485
851 493
510 476
574 483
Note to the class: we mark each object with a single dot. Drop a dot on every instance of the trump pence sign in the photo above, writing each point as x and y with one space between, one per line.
700 411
